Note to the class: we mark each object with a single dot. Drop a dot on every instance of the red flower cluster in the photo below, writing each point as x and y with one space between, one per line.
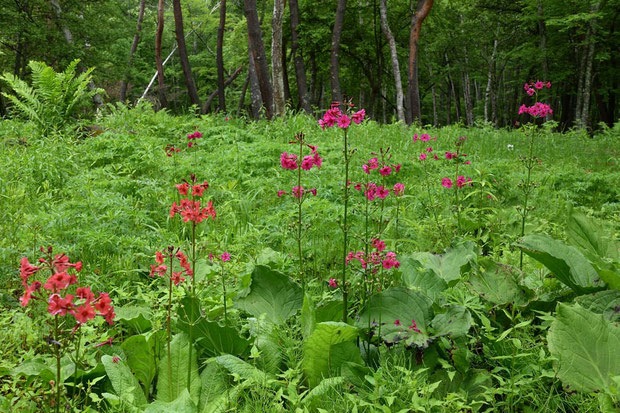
289 161
171 150
82 305
160 268
376 259
538 109
334 116
192 138
189 208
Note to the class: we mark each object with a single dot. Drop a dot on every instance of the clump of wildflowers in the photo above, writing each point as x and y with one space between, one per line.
538 109
193 138
335 117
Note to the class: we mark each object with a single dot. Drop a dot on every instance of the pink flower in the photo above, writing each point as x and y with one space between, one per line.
344 121
358 186
288 161
385 171
467 162
297 191
313 191
373 163
307 163
318 161
358 116
548 85
539 85
378 244
450 155
396 168
446 182
531 92
333 283
382 192
397 322
183 188
176 278
280 193
422 156
225 256
414 326
399 189
366 168
526 86
425 137
371 191
429 149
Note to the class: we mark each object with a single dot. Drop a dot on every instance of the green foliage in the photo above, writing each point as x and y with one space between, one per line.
172 377
53 98
123 382
586 347
272 294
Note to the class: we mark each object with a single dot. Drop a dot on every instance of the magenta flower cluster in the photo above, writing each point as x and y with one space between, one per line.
192 137
538 109
289 161
335 117
375 259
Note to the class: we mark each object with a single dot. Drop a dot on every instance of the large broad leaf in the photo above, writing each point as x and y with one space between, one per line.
308 317
586 347
214 384
124 383
330 310
243 369
397 303
451 264
497 283
420 278
455 322
273 294
182 404
210 337
330 345
605 302
141 359
587 235
566 263
172 376
138 318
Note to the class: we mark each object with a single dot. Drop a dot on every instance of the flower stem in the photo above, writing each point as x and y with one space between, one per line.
168 328
529 164
57 346
224 292
299 219
345 229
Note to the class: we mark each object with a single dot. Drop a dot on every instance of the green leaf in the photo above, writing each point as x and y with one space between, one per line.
124 383
324 387
586 347
138 318
420 278
586 234
605 302
182 404
330 345
397 303
212 338
243 369
141 359
565 262
213 383
308 317
172 376
273 294
330 310
455 322
451 264
497 284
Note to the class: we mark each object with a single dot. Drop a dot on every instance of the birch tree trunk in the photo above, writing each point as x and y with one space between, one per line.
134 47
394 58
587 83
279 104
255 95
300 70
257 49
334 70
220 58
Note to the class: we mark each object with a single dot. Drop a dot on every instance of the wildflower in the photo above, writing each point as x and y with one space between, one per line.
26 270
288 161
344 121
176 278
382 192
333 283
116 359
59 281
429 149
414 327
307 163
83 313
450 155
280 193
85 293
159 257
108 342
422 156
373 163
225 256
446 182
548 84
396 168
183 188
312 191
510 147
436 157
539 85
531 92
358 116
399 189
397 322
366 169
35 286
378 244
385 171
297 191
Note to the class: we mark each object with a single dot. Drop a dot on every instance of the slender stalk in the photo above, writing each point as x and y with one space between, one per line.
299 219
57 353
456 193
529 164
345 229
224 292
366 253
168 327
193 294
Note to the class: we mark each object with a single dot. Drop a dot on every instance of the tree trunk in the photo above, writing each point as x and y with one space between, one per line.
300 70
160 67
207 106
334 71
244 90
258 53
255 95
279 103
220 58
394 58
287 85
187 70
413 88
587 82
490 75
134 47
430 74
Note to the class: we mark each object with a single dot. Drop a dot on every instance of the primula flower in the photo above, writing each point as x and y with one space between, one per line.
397 322
429 149
344 121
396 168
108 342
159 257
288 161
548 84
58 305
399 189
103 303
373 163
307 163
446 182
225 257
85 293
461 181
539 85
176 278
450 155
83 313
366 169
159 270
358 116
333 283
414 327
183 188
59 281
382 192
422 156
531 92
280 193
35 286
385 171
378 244
297 191
26 270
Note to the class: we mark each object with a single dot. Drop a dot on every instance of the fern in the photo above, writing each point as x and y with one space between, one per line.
53 98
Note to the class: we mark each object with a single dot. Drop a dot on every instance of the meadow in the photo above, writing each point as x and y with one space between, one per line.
257 323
